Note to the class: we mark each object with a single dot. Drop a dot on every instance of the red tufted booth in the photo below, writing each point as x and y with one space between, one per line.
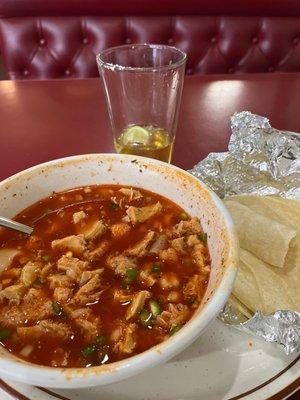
42 39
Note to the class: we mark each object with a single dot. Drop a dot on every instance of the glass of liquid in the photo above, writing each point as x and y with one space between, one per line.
143 85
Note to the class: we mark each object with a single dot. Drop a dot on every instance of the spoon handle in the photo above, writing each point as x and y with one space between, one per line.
8 223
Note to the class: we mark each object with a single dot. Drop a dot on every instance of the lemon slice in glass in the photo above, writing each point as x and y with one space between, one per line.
136 134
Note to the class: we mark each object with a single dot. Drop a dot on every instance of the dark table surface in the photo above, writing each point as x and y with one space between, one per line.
44 120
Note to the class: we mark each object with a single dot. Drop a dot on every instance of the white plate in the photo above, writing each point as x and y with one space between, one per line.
222 364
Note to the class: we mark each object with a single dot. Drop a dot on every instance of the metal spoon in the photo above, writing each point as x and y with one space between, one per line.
9 223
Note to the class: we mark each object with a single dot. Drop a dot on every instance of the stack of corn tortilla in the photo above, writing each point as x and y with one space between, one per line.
269 234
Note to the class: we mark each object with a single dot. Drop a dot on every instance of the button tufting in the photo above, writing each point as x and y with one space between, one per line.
192 33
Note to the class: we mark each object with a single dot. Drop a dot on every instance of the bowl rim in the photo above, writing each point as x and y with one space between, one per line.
74 377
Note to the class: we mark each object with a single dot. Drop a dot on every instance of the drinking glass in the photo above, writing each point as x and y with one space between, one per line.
143 85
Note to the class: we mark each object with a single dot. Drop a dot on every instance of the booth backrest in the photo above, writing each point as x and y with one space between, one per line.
44 39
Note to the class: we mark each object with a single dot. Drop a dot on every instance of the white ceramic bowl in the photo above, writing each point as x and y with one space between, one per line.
27 187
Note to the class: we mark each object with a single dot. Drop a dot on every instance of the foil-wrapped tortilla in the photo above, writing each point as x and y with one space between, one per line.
260 161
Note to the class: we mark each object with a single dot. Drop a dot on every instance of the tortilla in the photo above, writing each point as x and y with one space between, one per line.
268 239
287 212
273 289
284 211
290 273
239 307
246 289
269 233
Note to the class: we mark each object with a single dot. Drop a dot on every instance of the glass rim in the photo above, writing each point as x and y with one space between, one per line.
120 68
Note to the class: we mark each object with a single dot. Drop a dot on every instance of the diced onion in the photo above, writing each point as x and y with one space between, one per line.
6 257
27 350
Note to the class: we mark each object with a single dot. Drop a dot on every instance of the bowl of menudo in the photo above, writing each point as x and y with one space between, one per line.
129 261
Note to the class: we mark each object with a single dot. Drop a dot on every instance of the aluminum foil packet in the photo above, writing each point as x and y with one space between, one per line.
260 160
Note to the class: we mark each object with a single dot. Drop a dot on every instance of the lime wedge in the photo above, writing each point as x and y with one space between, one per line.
136 134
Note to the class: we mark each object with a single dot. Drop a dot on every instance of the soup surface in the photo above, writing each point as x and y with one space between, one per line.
108 272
